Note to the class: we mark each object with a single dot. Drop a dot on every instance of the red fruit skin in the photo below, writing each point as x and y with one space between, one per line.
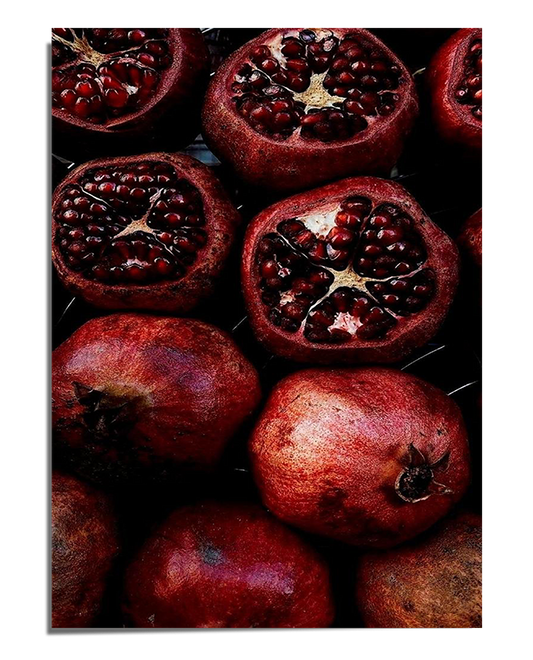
399 342
219 565
178 296
329 447
470 238
453 121
162 394
292 165
172 114
84 545
433 582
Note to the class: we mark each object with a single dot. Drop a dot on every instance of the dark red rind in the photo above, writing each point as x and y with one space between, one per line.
292 165
180 389
84 545
329 445
470 238
227 566
434 582
173 295
172 116
453 121
411 333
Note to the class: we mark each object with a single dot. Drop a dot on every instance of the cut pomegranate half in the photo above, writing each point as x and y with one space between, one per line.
112 84
304 106
351 272
454 79
141 232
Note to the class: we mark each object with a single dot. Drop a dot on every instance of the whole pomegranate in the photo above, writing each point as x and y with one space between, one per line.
227 566
470 238
454 80
306 106
351 272
132 393
84 545
116 89
368 456
433 582
142 232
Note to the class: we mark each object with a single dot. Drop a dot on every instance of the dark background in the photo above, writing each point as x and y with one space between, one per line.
448 187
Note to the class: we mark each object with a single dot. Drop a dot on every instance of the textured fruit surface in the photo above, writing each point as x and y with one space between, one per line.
133 392
84 544
227 566
142 232
433 582
455 84
368 456
307 106
110 83
354 271
470 238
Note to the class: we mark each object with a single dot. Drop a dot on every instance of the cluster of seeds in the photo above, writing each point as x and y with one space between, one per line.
130 224
101 74
469 89
326 85
351 272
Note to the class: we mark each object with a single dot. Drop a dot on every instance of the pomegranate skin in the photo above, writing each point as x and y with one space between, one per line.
171 295
452 120
470 238
134 393
84 545
368 456
296 164
433 582
218 565
410 332
171 116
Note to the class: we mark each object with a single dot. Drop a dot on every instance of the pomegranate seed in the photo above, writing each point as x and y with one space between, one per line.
116 98
82 108
136 36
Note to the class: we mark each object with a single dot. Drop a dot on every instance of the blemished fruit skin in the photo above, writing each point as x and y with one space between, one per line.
227 565
452 120
470 238
134 393
84 545
296 164
432 582
177 295
411 331
368 456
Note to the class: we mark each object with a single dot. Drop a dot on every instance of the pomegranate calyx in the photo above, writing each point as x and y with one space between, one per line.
107 415
416 482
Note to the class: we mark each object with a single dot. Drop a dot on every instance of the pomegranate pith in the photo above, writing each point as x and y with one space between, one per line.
368 456
135 395
227 566
351 272
142 232
115 87
84 545
455 84
309 105
432 582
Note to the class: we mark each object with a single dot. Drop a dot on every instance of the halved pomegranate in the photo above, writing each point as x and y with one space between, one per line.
351 272
454 78
141 232
296 107
110 85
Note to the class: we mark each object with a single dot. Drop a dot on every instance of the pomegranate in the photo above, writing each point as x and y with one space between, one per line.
454 80
142 232
369 456
232 565
134 393
433 582
114 88
470 238
351 272
306 106
84 545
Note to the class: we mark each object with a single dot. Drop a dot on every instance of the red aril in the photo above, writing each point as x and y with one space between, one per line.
306 106
351 272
